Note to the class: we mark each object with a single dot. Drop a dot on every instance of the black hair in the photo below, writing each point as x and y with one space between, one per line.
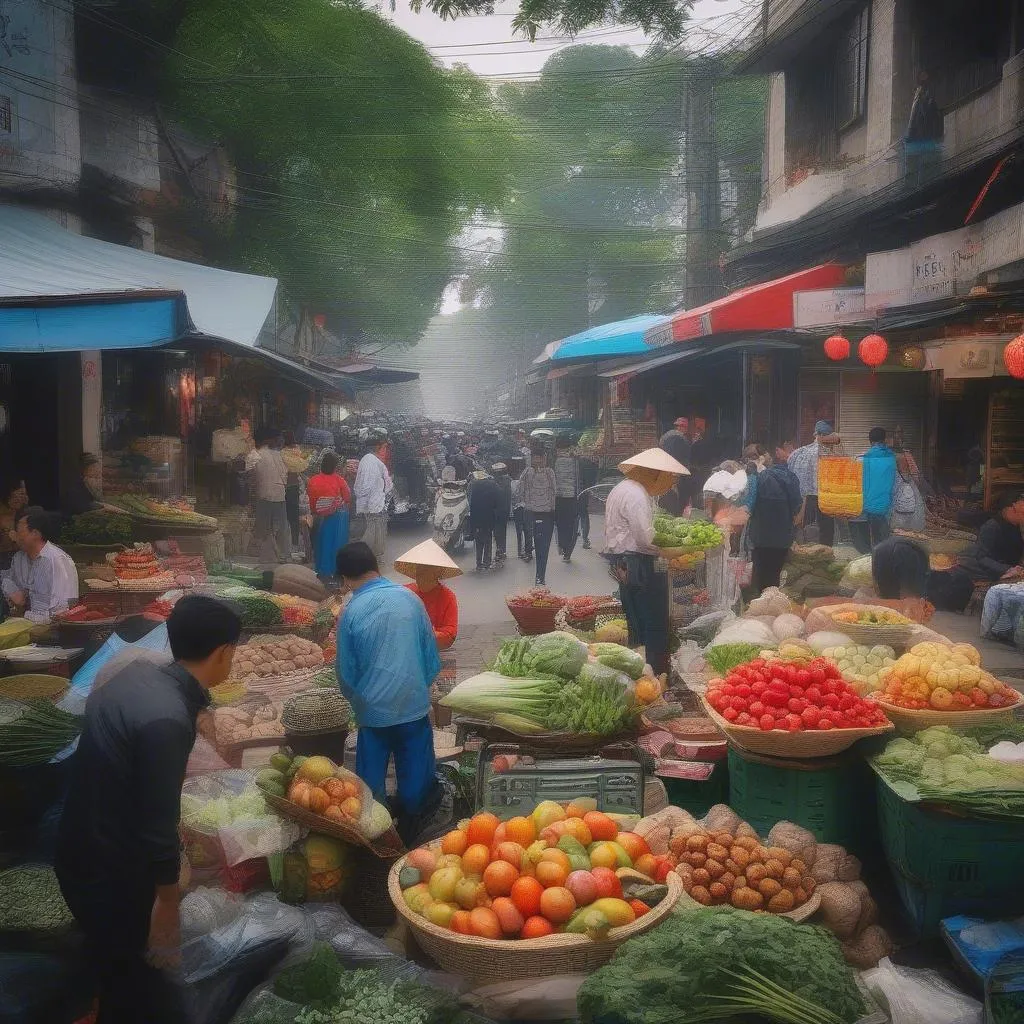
10 484
877 435
356 559
198 625
1006 499
329 462
39 519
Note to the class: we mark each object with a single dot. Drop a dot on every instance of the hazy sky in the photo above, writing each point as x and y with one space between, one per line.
486 43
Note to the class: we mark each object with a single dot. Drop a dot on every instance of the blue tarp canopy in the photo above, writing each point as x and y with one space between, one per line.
634 336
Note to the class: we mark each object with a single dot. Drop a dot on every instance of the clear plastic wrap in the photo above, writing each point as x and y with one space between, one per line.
915 996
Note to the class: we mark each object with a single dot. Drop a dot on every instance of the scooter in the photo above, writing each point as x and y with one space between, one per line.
451 516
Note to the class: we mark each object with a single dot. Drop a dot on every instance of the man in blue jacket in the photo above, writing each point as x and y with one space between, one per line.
387 659
879 479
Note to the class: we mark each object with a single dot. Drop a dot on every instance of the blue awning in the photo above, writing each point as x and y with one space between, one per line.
634 336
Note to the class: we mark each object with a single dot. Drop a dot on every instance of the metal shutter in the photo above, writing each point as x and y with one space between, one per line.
889 400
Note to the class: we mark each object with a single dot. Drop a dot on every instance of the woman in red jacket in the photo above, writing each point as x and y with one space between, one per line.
428 565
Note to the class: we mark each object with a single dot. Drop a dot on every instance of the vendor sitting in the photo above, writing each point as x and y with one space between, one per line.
42 579
999 550
428 565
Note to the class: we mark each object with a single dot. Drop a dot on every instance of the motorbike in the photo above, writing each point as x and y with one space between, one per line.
451 516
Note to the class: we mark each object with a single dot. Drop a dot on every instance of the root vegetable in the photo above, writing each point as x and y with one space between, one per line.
798 841
782 902
746 898
840 909
769 887
721 818
868 948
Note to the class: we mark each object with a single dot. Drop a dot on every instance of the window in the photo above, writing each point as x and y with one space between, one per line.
852 69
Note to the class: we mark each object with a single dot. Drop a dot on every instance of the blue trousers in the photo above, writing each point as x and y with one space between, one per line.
412 745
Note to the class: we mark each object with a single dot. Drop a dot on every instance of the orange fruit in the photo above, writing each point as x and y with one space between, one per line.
557 904
557 856
525 894
603 855
475 859
499 877
484 923
634 845
551 873
455 842
482 828
646 864
510 852
461 922
536 928
521 831
499 836
509 916
601 826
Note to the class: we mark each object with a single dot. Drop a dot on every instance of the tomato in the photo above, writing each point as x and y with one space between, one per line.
817 676
766 723
730 714
774 698
813 694
830 700
810 717
744 719
825 723
757 663
794 722
728 689
743 690
757 708
803 677
796 704
536 927
847 702
759 687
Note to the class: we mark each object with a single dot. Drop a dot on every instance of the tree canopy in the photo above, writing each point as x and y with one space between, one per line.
359 159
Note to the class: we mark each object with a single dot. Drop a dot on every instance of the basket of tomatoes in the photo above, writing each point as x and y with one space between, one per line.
792 709
499 900
535 610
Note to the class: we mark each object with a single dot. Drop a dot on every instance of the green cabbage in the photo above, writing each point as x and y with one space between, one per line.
618 657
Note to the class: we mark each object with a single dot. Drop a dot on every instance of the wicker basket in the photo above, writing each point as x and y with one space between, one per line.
534 621
33 686
911 719
388 844
489 960
896 635
805 910
780 743
315 711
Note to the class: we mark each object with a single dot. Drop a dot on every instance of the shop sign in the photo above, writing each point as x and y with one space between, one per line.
975 358
828 306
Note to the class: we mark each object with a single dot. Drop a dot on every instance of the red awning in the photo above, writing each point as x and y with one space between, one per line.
761 307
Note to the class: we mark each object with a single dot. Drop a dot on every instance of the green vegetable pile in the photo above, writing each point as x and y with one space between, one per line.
603 707
725 657
313 980
31 900
257 611
97 528
33 731
550 654
678 532
208 815
954 768
718 963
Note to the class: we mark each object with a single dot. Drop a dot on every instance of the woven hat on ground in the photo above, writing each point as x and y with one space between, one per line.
317 710
657 459
427 554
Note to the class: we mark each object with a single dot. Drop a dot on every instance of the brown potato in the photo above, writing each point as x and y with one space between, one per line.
756 873
697 859
714 868
782 902
747 899
717 852
769 888
701 877
696 842
740 883
798 864
775 868
731 865
747 842
779 854
728 880
740 855
759 853
701 895
800 897
723 838
718 892
791 878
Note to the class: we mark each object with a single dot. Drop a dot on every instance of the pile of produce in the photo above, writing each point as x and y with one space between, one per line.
679 532
316 868
791 696
138 567
186 565
33 731
687 561
208 815
173 513
613 631
554 871
264 657
556 683
158 609
811 567
862 665
31 900
954 768
255 607
942 678
317 784
94 611
586 606
870 616
244 722
97 528
535 597
719 963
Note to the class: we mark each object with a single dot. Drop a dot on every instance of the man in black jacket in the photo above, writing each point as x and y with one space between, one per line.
118 858
771 527
485 498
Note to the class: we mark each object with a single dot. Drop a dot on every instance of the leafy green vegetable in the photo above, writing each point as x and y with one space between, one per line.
314 979
97 528
33 731
257 611
724 657
621 658
550 654
589 705
365 998
31 900
685 971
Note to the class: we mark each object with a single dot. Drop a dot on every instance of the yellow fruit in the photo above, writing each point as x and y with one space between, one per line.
941 698
618 912
969 651
440 914
547 812
418 898
443 882
316 769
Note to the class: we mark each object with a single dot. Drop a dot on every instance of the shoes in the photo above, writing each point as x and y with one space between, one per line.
539 582
567 559
586 545
527 558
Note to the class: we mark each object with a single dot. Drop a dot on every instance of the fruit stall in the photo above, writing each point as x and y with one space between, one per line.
818 787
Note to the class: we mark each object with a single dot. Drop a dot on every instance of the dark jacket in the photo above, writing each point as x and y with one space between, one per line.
776 505
504 507
1000 546
677 445
485 498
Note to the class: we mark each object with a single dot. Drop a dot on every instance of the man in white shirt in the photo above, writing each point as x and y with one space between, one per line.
42 579
372 487
269 475
629 546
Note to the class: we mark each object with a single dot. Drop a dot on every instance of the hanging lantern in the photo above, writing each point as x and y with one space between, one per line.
837 348
873 350
912 357
1013 356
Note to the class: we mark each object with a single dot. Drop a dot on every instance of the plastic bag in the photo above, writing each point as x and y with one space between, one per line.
745 631
840 485
204 759
858 572
688 663
920 996
360 819
204 910
532 999
772 602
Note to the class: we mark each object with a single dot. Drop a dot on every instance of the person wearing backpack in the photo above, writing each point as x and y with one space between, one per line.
772 525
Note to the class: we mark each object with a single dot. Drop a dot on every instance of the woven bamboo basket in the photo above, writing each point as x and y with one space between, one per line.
534 621
487 960
388 844
911 719
896 635
781 743
805 910
33 686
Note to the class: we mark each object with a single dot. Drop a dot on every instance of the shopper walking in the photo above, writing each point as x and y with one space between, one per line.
118 850
871 527
269 476
588 479
522 520
771 528
387 659
372 487
567 492
502 512
484 500
538 489
329 501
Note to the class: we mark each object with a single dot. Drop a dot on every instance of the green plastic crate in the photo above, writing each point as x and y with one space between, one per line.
945 865
699 797
833 798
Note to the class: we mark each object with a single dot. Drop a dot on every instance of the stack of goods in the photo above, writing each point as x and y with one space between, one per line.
245 722
276 666
555 684
32 732
527 878
138 569
193 566
173 513
937 678
295 611
812 570
583 615
98 528
100 610
695 535
257 608
534 610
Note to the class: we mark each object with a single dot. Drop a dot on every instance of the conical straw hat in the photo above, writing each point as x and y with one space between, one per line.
657 459
427 553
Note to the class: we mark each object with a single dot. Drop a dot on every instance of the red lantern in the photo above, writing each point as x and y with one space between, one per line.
873 350
837 348
1013 356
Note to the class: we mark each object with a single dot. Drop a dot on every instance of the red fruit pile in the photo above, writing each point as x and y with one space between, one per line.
792 697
